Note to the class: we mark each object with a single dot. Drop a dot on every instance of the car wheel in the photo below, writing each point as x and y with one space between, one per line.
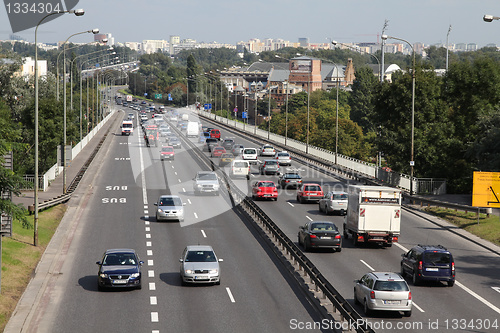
355 298
451 283
139 287
306 247
320 208
298 240
339 249
415 279
407 313
248 177
183 283
366 308
100 288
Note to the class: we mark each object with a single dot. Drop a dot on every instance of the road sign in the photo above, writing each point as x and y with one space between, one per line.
244 115
145 94
170 97
158 96
486 189
207 106
235 110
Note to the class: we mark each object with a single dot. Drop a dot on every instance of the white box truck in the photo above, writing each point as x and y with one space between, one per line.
192 129
373 215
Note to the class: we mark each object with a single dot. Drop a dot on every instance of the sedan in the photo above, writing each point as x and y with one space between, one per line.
237 149
290 179
174 142
310 192
167 153
170 207
334 201
319 234
199 264
267 150
119 268
269 167
265 189
283 158
217 151
225 159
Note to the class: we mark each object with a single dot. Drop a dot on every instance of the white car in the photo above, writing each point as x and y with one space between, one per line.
250 154
130 116
283 158
199 264
240 168
267 150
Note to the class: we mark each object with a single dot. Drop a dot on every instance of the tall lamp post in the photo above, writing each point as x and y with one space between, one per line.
412 162
77 12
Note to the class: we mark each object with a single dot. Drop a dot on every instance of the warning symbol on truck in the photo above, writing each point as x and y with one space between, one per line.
362 212
396 215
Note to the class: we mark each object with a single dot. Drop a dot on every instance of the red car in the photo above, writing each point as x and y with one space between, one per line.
265 189
218 151
215 133
310 192
167 153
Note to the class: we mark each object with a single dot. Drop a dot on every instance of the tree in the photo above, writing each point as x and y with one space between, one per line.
364 91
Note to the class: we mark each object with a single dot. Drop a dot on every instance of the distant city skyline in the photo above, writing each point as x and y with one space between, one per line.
225 21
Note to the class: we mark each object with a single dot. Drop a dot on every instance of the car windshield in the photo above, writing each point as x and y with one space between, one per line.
312 188
271 162
283 155
167 149
323 227
207 176
249 151
119 259
173 201
340 197
292 176
266 184
200 256
390 286
240 164
437 257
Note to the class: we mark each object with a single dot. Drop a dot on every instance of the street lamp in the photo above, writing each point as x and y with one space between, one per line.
490 18
447 46
412 162
77 12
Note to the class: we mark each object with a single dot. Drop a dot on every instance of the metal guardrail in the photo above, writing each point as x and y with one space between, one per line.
417 200
351 318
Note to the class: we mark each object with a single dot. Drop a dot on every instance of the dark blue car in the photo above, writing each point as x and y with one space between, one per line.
119 268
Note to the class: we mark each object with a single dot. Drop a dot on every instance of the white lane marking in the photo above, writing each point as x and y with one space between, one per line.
310 219
145 207
473 294
148 235
195 215
149 252
230 294
364 263
151 273
146 212
290 204
146 222
155 331
152 286
154 317
149 244
183 189
175 172
180 181
148 229
418 307
203 233
481 299
153 300
189 200
146 217
172 166
497 289
150 262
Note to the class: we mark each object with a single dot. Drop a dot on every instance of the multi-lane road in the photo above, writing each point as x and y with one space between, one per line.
116 209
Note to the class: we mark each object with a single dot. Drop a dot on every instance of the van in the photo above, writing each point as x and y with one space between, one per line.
215 133
185 117
240 168
192 129
127 127
250 154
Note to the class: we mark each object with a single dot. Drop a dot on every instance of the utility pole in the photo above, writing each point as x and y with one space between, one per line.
382 66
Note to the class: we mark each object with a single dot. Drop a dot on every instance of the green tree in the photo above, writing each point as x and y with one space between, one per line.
362 99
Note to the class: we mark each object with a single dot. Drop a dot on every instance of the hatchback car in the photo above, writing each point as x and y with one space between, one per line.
267 150
264 189
215 133
269 167
240 168
217 151
319 234
383 291
290 179
226 158
228 144
169 207
283 158
428 263
119 268
210 143
167 153
250 155
174 142
334 201
237 149
199 264
206 182
310 192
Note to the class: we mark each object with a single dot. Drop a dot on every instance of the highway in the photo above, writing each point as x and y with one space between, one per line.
117 210
471 305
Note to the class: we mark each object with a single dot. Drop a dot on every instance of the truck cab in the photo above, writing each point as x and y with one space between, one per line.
127 127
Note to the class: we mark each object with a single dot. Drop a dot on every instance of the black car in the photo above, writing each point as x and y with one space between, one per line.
320 234
290 179
119 268
429 263
210 143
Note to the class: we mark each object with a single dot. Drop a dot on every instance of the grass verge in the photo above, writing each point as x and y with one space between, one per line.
20 258
488 227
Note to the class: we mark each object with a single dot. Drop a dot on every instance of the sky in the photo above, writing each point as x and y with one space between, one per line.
225 21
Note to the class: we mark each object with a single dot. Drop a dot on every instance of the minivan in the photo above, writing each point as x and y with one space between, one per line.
428 263
240 168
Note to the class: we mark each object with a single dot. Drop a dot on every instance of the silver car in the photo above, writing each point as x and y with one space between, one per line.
237 149
199 264
169 207
383 291
334 201
206 182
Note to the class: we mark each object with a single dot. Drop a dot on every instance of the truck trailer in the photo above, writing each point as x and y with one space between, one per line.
373 215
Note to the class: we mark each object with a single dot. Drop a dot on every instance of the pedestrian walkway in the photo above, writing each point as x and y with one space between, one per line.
55 188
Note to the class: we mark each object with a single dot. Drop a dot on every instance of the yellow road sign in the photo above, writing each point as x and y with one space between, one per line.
486 189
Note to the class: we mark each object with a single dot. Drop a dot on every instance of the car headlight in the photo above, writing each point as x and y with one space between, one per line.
135 275
160 211
103 275
189 271
213 271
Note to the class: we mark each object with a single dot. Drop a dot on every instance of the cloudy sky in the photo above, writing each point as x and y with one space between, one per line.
226 21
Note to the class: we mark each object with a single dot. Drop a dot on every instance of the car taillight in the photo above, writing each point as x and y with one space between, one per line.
337 236
420 266
372 294
453 267
409 295
395 239
313 236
